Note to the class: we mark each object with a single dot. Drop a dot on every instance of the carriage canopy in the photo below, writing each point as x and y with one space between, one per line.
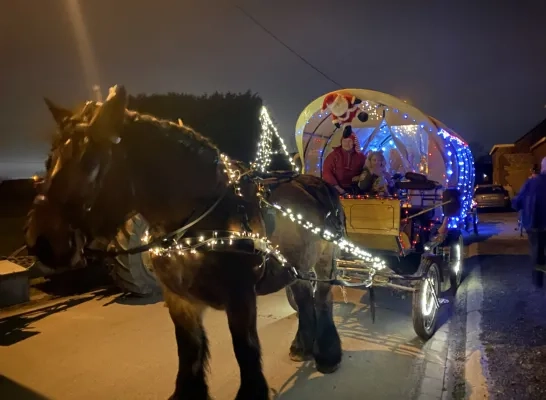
410 140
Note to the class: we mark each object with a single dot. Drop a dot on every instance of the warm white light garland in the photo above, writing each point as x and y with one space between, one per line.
262 244
215 241
234 175
265 145
191 245
343 244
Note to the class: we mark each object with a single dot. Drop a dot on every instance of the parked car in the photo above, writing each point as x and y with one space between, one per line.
491 196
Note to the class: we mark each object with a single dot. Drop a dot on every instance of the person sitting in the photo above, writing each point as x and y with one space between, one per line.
374 178
344 164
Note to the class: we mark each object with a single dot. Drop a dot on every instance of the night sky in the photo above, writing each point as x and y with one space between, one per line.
480 68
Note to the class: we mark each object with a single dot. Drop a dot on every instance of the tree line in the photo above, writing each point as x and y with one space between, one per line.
230 120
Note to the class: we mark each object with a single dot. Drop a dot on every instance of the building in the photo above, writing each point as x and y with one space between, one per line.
512 162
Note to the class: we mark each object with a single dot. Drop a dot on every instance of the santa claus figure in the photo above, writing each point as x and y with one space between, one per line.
344 108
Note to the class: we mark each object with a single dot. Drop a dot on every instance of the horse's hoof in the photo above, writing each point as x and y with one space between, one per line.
328 369
300 356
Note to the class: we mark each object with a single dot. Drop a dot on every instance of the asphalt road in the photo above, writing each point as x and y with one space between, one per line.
95 346
513 329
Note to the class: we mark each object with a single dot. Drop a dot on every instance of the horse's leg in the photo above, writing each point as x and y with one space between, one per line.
302 345
192 344
327 349
242 316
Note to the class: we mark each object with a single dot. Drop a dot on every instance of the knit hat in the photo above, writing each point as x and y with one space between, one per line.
354 138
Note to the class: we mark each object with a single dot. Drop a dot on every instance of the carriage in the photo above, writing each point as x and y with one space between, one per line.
415 233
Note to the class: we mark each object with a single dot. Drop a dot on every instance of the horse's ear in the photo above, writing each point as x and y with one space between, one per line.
109 118
59 113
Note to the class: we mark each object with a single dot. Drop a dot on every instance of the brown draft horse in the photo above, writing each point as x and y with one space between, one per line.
108 163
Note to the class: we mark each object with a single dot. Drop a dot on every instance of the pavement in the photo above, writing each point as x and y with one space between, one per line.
100 344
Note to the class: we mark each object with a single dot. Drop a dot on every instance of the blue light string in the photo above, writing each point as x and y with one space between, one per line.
457 150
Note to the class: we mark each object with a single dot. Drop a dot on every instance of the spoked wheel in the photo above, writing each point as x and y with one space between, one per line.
426 302
290 294
456 263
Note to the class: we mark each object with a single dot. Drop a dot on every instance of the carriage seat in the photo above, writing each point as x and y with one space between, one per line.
416 181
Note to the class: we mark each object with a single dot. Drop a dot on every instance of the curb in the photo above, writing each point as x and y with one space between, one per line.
475 365
466 374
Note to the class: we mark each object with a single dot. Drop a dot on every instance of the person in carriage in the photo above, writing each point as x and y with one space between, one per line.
374 178
343 166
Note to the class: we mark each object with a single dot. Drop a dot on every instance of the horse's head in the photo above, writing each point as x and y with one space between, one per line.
79 160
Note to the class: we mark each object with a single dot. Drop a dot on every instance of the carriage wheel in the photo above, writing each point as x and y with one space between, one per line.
290 294
456 265
425 309
133 273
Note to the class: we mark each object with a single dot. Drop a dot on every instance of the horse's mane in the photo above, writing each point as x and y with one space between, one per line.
179 131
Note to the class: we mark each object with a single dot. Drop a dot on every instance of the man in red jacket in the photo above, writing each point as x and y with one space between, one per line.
344 164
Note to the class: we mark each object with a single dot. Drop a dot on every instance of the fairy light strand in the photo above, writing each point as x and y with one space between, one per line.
191 245
263 160
265 145
234 175
343 244
216 241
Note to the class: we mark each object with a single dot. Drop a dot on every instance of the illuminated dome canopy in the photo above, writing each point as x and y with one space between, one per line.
409 139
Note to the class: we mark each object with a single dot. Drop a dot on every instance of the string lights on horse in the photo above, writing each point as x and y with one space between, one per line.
205 243
262 161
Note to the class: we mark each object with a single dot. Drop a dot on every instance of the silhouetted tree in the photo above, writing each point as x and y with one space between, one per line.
479 152
231 120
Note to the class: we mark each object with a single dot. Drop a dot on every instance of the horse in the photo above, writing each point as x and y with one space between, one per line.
317 336
108 163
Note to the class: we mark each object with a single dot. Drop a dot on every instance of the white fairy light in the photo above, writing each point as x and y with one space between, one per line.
234 175
343 244
265 145
261 244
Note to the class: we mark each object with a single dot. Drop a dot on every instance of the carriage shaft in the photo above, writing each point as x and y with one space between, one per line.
395 286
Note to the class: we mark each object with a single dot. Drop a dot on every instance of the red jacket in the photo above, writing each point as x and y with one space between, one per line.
340 167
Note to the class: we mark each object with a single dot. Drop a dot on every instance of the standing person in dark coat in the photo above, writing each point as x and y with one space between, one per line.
531 201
